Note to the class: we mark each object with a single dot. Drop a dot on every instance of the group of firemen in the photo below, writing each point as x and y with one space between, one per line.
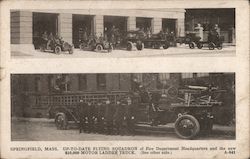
107 117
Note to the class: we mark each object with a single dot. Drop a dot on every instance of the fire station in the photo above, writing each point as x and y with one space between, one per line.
28 25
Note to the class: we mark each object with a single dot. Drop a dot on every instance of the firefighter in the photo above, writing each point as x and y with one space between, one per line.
92 117
87 120
109 113
130 112
119 117
82 115
99 118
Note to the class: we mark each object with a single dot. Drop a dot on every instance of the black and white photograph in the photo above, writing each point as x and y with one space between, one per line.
124 79
123 32
123 106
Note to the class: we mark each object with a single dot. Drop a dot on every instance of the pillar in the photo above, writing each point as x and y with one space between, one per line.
98 25
21 27
65 26
180 27
131 23
156 24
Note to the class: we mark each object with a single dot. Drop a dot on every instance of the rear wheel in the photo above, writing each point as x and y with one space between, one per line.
61 121
129 46
187 127
166 46
99 48
57 50
199 45
191 45
211 46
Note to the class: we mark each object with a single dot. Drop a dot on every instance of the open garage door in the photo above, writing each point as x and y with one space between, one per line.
143 23
82 26
44 22
116 21
169 25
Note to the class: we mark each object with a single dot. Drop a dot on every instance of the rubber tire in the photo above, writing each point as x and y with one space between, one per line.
166 46
191 45
61 121
139 46
211 46
129 46
57 50
99 48
193 120
199 45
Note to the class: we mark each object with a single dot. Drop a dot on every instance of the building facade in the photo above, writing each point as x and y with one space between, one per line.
33 94
27 25
207 18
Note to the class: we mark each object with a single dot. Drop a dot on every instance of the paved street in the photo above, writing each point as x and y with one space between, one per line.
180 51
34 129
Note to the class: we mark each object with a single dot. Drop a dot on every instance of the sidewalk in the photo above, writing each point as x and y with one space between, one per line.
182 50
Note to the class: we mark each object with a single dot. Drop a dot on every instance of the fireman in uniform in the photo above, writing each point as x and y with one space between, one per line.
88 121
119 117
99 117
130 118
109 113
82 115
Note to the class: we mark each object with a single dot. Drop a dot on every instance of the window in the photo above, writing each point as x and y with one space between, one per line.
37 84
101 81
82 82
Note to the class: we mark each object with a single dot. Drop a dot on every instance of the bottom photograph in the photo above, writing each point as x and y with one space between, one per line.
123 106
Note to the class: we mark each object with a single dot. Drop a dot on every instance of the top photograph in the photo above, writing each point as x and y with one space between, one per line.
122 33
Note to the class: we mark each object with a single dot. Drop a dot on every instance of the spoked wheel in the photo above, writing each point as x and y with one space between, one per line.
129 46
199 45
187 127
166 46
57 50
211 46
191 45
61 121
99 48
